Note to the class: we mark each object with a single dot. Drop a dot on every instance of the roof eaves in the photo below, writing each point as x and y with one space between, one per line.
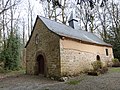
108 45
32 31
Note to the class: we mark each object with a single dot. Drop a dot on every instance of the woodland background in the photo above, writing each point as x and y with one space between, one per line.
101 17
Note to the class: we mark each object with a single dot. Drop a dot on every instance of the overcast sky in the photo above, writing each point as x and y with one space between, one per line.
37 7
23 6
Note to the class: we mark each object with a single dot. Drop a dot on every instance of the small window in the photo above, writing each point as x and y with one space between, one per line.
36 39
106 52
98 57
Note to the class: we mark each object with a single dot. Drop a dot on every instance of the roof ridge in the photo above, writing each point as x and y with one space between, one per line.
65 30
56 21
65 24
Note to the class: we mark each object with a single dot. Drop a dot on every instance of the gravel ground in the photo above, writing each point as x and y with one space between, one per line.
108 81
25 82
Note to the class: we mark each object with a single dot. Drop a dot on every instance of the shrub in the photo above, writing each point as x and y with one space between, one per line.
109 63
103 70
116 62
98 68
97 65
93 73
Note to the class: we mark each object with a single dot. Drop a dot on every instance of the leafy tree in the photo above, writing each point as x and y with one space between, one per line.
11 54
114 40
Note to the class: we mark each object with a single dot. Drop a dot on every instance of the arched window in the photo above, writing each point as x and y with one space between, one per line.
36 39
98 57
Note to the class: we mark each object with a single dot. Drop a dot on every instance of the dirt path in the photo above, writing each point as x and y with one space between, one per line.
108 81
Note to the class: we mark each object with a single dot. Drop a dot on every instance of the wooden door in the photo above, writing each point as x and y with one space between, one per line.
40 60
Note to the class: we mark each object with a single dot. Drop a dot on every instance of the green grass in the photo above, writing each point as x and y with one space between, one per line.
7 73
115 69
73 82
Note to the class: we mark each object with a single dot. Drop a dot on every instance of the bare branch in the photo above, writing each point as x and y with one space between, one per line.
5 8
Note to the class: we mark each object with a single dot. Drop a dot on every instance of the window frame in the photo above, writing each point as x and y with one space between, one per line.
106 52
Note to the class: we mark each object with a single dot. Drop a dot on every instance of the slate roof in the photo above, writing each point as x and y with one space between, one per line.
67 31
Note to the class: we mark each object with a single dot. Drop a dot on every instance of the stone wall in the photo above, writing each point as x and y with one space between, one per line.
48 46
75 60
62 57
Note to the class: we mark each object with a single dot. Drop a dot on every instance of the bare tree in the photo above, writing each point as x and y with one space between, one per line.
102 16
56 9
7 18
3 23
30 17
7 6
11 11
113 33
115 19
23 24
109 18
87 17
88 13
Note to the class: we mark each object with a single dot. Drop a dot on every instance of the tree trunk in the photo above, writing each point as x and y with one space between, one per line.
3 23
31 20
11 10
23 33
